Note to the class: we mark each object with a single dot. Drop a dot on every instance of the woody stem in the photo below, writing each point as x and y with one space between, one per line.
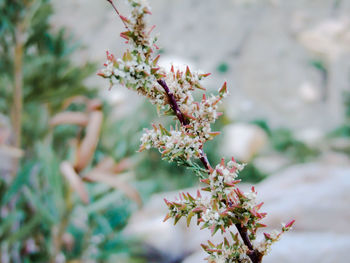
172 102
253 254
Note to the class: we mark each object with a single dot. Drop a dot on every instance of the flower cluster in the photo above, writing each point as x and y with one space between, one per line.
223 205
136 73
173 144
223 178
226 252
223 210
137 69
187 141
226 205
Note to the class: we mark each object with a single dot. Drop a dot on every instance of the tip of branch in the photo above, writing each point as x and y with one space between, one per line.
120 16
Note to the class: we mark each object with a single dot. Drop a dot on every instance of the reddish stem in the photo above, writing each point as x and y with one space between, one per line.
181 117
116 10
173 103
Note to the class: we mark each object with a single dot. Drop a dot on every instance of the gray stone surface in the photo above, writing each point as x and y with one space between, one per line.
260 41
243 141
315 195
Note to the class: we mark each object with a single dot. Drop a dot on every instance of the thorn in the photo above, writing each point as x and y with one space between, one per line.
205 75
188 72
124 19
222 162
223 89
166 217
147 11
124 35
151 29
156 46
155 61
290 224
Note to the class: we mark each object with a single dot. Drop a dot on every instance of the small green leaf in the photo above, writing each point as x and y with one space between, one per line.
189 217
20 180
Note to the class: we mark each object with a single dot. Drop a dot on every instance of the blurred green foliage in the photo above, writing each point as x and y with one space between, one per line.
283 141
342 132
41 219
344 129
223 67
49 77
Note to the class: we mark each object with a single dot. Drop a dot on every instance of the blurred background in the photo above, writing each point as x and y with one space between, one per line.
73 187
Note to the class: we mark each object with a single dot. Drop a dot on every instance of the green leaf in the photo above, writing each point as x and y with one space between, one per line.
104 202
25 230
40 207
7 223
189 217
20 180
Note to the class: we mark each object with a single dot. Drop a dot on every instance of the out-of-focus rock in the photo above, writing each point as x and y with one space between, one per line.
256 39
271 163
311 137
335 158
309 92
316 195
340 144
331 38
148 225
243 141
309 247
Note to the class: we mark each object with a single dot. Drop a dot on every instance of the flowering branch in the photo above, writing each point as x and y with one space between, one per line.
253 254
181 118
171 91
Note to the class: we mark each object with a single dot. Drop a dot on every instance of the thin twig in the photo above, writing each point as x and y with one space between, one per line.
116 10
59 231
18 91
204 160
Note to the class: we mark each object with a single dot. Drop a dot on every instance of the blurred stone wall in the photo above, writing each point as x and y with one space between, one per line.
267 47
